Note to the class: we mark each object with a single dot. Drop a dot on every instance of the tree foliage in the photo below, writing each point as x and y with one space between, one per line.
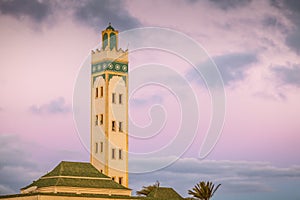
204 191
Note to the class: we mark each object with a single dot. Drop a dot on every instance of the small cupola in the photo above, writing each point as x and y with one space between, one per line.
109 38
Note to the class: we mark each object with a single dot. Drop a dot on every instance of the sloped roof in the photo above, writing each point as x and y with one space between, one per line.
77 169
66 195
165 193
76 182
76 174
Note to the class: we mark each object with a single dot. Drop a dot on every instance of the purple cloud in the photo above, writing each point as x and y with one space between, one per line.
16 166
288 75
232 67
34 9
94 12
230 4
91 12
56 106
236 177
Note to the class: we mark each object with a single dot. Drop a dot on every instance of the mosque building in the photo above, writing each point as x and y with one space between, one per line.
106 175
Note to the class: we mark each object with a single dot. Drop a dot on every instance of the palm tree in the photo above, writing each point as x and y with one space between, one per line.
204 191
147 189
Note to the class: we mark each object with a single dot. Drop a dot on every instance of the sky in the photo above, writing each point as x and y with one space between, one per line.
253 45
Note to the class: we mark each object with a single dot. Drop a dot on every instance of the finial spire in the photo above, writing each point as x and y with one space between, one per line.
110 27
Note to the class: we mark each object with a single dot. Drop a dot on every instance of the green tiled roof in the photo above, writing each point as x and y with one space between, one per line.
76 174
87 196
76 182
79 169
165 193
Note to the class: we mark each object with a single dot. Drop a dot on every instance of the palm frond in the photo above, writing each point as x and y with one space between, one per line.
203 190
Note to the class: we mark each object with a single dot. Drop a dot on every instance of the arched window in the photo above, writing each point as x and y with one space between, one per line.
113 41
105 40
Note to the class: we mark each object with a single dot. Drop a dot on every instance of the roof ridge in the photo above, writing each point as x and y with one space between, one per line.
61 168
65 161
57 182
156 189
77 177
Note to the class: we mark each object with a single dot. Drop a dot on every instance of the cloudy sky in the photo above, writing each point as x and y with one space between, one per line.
254 44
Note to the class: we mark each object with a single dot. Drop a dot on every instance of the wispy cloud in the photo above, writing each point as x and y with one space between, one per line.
16 167
94 12
6 190
24 161
293 40
235 176
288 75
34 9
230 4
232 67
56 106
149 100
275 22
291 8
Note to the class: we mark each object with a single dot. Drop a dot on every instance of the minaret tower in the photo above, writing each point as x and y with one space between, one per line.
109 108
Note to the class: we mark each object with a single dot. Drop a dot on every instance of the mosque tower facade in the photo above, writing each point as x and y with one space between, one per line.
109 108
